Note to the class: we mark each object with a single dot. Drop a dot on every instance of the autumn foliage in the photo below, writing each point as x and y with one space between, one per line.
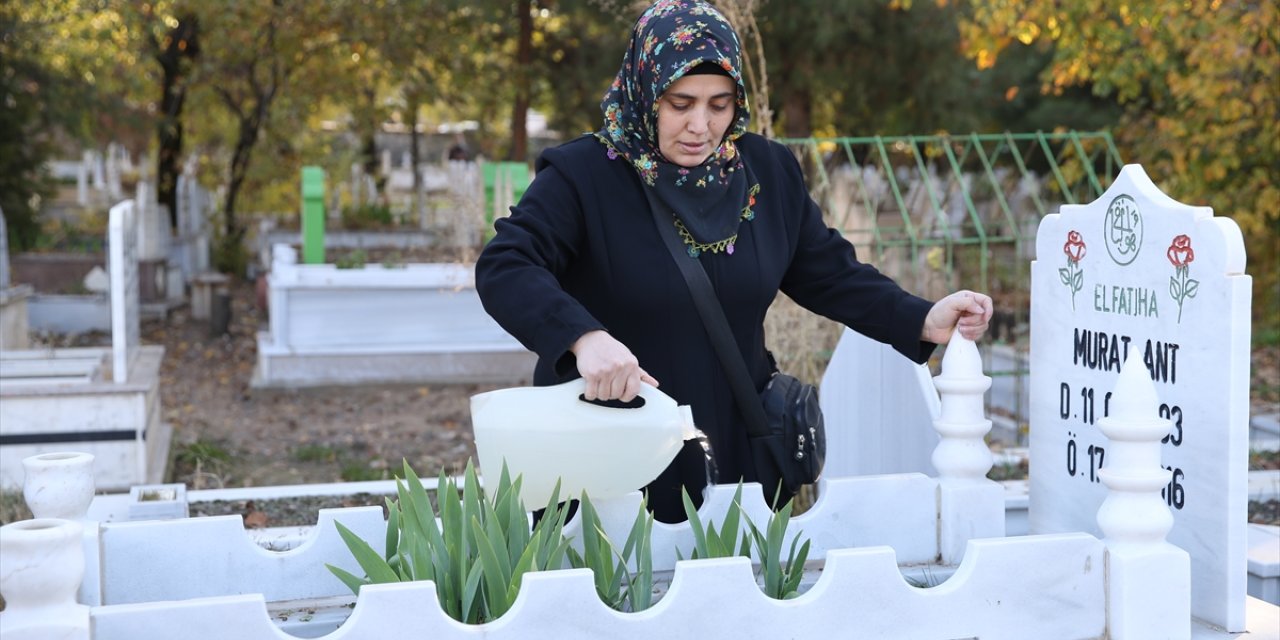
1200 83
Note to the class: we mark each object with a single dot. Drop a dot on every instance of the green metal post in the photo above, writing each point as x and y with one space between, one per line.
312 215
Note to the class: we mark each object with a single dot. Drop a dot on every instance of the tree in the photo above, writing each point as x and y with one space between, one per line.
519 150
252 50
579 52
1197 81
23 151
174 48
56 85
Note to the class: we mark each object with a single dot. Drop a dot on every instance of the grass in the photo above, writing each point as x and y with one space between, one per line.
315 453
199 462
364 471
202 452
1264 460
13 507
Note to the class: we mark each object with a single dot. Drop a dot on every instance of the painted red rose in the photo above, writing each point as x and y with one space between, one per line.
1180 252
1074 247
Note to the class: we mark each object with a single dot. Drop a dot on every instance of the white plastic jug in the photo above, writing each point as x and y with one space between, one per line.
548 433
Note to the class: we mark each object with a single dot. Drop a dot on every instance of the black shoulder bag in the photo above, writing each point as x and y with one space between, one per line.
788 441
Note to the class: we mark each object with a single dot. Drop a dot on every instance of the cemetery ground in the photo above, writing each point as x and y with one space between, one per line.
227 434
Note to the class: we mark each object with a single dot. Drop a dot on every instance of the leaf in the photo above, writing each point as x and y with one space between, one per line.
471 597
393 529
451 547
517 527
1192 287
374 565
495 579
640 591
352 581
795 568
1077 281
497 538
732 521
470 506
555 559
524 565
1173 288
552 526
695 524
422 565
1065 276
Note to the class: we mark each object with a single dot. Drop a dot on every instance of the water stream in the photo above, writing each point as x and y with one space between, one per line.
713 473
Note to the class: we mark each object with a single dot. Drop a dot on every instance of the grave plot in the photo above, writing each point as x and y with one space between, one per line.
357 324
1129 584
100 401
414 323
1136 272
71 287
868 531
13 300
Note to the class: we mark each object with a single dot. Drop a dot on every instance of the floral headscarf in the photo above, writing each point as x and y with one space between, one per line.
670 39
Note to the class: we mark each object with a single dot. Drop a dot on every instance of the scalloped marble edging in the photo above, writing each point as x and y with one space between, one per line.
159 560
990 596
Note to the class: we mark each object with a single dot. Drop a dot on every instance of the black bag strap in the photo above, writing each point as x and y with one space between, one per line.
708 306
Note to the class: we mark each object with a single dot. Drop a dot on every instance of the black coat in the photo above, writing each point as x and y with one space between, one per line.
580 252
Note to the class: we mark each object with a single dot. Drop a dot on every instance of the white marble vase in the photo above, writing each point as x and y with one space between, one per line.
41 572
58 485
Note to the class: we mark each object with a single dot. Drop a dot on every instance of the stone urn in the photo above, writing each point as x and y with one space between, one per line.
58 485
42 568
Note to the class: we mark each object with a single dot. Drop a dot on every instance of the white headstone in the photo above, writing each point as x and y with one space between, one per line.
185 201
879 409
97 280
114 188
96 170
4 253
152 222
357 182
1137 270
122 234
82 179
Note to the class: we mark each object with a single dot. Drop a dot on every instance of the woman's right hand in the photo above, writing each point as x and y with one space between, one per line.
609 368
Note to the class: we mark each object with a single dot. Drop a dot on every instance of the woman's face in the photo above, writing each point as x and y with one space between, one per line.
693 115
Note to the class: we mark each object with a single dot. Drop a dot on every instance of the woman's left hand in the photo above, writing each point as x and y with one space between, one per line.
966 311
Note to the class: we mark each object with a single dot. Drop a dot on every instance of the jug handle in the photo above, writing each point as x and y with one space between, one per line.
576 387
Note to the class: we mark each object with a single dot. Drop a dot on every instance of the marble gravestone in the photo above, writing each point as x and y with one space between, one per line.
122 262
1137 270
879 409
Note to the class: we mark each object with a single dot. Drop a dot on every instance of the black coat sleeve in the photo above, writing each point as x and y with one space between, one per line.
517 273
826 277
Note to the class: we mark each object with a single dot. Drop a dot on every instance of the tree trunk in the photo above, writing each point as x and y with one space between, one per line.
797 112
233 231
524 58
231 226
369 139
419 203
180 46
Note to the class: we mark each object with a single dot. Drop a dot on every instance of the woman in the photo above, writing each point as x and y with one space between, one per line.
580 275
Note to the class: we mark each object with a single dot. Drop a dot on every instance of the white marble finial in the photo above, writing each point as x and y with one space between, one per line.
282 253
961 454
961 358
1135 395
